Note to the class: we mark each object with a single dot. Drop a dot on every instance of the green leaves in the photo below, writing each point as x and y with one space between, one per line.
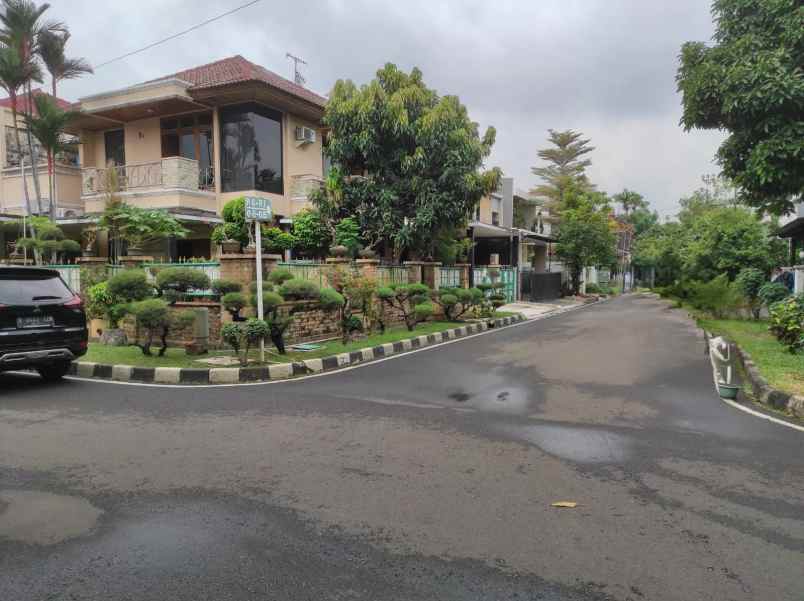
751 84
419 155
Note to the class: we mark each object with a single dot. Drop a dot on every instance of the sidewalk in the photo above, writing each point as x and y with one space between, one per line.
531 310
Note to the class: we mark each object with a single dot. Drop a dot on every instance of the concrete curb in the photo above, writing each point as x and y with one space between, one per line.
762 391
281 371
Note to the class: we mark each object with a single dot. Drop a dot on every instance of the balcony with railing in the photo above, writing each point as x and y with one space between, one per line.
302 186
172 173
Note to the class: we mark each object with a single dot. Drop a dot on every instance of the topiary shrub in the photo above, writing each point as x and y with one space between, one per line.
772 292
130 285
224 287
243 336
279 276
234 302
174 282
787 322
331 299
411 300
154 316
456 302
749 281
298 289
252 297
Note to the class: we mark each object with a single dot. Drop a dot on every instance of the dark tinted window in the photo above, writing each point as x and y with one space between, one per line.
251 148
28 288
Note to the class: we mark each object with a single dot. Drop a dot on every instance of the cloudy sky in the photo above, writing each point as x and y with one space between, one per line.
604 67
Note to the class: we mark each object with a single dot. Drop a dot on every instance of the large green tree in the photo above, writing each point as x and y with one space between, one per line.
630 200
410 161
565 170
750 83
586 238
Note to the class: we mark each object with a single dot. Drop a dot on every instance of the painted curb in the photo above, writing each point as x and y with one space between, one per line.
762 391
280 371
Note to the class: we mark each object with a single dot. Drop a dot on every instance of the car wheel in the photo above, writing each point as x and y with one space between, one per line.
52 373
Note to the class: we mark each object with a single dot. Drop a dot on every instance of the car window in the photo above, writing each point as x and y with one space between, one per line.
29 288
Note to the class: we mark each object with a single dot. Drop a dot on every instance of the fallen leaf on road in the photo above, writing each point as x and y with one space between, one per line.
569 504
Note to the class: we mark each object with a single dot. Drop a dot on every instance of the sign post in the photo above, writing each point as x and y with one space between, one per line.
259 210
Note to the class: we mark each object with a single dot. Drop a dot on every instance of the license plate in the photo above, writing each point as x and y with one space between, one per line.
36 321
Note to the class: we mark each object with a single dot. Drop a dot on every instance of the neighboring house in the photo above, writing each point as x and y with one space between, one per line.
496 237
68 173
191 141
793 232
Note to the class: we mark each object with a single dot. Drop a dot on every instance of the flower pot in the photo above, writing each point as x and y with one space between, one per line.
727 391
230 247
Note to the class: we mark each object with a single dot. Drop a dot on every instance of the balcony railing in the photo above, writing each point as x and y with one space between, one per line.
302 186
171 172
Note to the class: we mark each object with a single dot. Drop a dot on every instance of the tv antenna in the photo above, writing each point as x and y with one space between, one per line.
297 76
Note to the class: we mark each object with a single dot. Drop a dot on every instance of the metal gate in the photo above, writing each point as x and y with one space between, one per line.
540 286
482 275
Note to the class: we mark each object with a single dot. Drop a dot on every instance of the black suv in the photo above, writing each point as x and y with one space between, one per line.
42 322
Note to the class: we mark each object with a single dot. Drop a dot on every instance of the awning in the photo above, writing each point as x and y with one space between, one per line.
530 235
486 230
794 228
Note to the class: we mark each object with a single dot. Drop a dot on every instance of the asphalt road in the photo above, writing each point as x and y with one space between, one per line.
428 476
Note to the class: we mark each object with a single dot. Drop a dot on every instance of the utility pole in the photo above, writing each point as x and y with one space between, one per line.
297 76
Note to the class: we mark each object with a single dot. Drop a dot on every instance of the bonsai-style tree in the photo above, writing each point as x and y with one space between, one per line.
234 227
48 244
311 235
156 319
234 302
456 302
244 336
174 282
223 287
411 300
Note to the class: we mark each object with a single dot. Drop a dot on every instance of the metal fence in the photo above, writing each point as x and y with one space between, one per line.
71 274
392 274
450 277
507 275
306 270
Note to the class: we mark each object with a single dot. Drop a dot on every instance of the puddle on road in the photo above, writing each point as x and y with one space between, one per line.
42 518
584 445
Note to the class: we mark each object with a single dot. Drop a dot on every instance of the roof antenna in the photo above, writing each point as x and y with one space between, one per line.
297 76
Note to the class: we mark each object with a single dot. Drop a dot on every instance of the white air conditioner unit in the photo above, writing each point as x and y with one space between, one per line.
305 135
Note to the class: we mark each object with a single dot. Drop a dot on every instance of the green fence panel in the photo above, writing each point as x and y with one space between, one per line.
450 277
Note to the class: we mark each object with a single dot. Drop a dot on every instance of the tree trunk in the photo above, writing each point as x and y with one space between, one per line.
576 280
163 338
34 160
22 161
51 188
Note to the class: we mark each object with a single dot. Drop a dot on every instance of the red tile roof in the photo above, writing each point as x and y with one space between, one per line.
22 99
237 69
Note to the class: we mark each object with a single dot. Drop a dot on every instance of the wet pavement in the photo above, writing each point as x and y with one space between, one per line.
429 476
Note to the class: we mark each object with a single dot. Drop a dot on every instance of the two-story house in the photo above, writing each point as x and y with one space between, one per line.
191 141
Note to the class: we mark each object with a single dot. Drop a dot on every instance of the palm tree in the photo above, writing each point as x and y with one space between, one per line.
13 75
22 25
51 49
48 127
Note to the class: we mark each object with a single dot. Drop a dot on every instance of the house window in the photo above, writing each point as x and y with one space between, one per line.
251 148
68 156
114 145
495 218
190 136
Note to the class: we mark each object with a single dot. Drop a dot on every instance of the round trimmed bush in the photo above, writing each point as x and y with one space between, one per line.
279 276
297 289
130 285
181 279
234 302
224 287
331 299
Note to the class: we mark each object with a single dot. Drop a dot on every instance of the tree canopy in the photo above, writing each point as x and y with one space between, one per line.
566 167
750 83
410 161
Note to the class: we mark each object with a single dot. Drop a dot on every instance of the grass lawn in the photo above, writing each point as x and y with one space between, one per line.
781 369
176 357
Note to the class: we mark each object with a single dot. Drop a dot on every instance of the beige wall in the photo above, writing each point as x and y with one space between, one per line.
485 209
143 141
156 200
301 159
136 95
12 196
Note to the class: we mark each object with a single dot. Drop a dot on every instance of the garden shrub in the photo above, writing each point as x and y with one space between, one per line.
411 300
173 282
224 287
234 302
787 322
749 281
279 276
456 302
717 296
154 316
772 292
592 288
331 299
252 297
298 289
130 285
243 336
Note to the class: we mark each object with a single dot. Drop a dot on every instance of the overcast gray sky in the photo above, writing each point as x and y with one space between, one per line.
604 67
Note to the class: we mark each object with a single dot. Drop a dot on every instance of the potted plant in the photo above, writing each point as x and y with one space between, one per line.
225 236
